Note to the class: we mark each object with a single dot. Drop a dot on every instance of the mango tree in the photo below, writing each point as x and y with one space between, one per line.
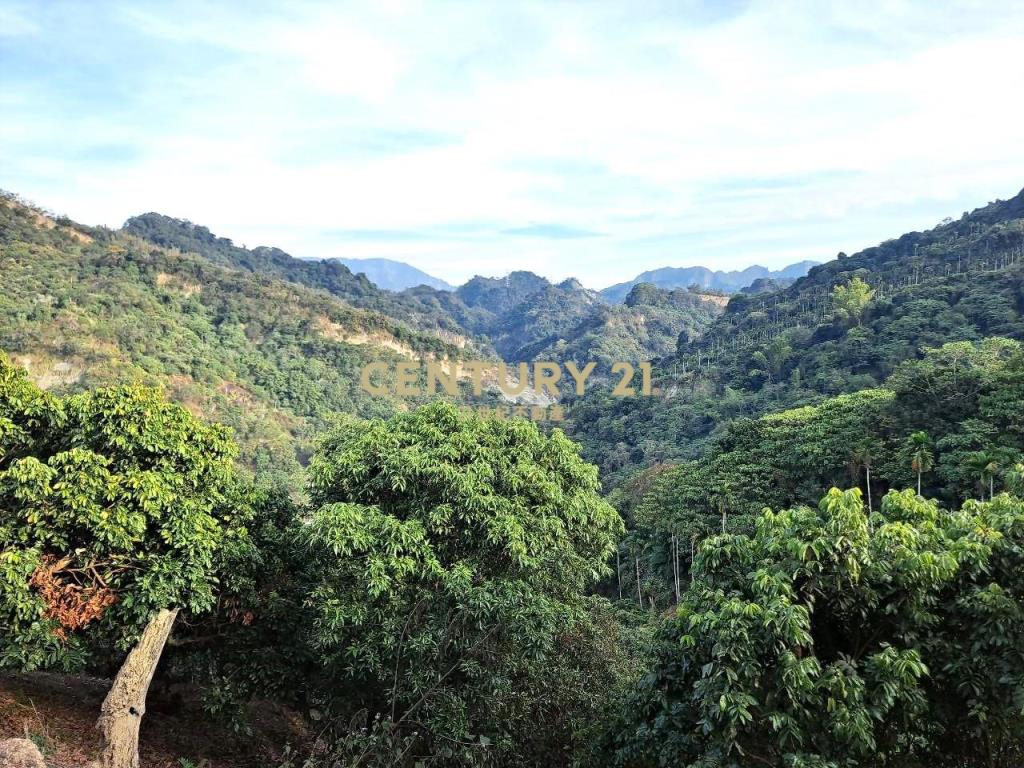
821 641
448 558
113 505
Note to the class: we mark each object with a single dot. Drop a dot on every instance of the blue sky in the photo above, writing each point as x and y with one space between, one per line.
585 139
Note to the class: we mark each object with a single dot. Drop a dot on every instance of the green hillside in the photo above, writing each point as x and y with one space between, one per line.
275 360
961 281
648 324
468 585
329 275
522 316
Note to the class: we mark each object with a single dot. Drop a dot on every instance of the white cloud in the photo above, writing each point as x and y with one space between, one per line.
766 135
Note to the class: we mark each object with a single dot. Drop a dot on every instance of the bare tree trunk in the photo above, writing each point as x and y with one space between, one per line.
871 509
125 704
639 594
675 565
919 483
618 568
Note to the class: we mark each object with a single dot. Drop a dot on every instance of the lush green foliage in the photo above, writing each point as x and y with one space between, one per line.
113 503
452 554
648 324
273 360
851 300
431 602
830 639
329 275
961 281
523 315
967 397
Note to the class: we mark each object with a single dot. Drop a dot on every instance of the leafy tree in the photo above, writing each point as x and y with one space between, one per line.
851 300
113 505
1015 479
449 558
818 642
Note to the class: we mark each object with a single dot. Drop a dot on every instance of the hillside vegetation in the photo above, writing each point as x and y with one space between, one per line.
846 326
805 552
521 316
273 359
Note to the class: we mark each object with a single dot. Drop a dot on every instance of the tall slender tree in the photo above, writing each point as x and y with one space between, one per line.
862 457
922 459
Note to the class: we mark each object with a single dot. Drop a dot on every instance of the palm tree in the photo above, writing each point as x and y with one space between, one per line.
862 456
921 457
984 466
721 499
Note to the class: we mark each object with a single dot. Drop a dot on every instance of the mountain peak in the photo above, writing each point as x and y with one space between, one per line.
394 275
702 277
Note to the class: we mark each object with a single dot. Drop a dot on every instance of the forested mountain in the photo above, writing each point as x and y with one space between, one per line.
271 345
500 294
527 318
843 327
83 307
702 277
524 310
393 275
649 324
330 275
522 315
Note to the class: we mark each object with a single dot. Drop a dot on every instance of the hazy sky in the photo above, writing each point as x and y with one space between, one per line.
570 138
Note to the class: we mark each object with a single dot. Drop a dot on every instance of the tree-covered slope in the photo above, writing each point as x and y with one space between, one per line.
948 425
521 319
647 325
522 316
845 326
526 317
330 275
275 360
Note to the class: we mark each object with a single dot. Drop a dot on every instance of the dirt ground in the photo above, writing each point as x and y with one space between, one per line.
58 713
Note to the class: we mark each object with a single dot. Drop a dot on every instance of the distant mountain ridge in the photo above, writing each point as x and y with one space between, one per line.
719 280
519 316
394 275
